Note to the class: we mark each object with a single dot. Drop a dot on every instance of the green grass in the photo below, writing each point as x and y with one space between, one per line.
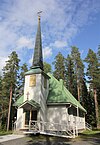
93 133
2 132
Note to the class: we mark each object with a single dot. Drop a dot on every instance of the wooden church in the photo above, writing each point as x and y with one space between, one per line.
46 106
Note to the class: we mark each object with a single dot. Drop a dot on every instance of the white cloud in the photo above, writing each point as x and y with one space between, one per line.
2 62
60 44
47 52
30 61
23 42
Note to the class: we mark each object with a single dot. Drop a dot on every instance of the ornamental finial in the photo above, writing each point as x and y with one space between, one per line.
39 15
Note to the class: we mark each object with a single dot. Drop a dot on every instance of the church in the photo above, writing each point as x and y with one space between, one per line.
46 106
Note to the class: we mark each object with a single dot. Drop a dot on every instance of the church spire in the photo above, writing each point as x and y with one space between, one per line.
38 58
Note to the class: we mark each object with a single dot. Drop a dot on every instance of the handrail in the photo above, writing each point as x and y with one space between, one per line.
88 126
53 128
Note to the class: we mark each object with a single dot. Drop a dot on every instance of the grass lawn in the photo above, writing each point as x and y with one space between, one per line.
2 132
93 133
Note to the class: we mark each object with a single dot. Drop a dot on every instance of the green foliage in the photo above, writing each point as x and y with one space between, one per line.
4 132
93 70
10 78
59 65
93 73
24 68
78 70
47 67
90 134
70 75
78 64
98 54
90 107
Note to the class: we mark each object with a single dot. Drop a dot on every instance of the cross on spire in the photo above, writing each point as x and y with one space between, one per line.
39 13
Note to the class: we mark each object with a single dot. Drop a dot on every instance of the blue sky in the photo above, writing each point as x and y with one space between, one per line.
64 23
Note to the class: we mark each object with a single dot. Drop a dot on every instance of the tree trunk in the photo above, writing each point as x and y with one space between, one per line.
9 108
96 108
78 89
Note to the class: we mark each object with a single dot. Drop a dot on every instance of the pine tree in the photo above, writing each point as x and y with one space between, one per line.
47 67
90 107
78 69
59 65
19 90
98 54
70 76
98 86
0 100
93 73
9 82
24 68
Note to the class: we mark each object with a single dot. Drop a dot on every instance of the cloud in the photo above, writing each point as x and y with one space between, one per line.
60 44
24 42
2 62
30 61
47 52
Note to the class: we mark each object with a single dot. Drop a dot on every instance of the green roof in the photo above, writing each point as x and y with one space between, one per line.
30 103
35 70
59 94
19 101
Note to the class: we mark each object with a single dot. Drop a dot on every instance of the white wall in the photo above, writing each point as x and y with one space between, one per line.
57 114
19 121
34 91
43 98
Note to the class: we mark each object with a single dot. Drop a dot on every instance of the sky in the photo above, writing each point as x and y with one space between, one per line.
64 23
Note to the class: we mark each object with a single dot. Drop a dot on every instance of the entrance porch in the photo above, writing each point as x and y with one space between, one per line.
27 111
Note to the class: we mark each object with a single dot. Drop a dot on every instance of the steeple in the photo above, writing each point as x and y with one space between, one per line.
38 58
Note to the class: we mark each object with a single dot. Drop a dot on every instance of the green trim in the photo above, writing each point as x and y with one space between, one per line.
30 102
34 71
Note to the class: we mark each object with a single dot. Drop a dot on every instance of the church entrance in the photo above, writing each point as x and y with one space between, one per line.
30 115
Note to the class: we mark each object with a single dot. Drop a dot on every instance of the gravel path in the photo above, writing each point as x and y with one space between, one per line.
48 141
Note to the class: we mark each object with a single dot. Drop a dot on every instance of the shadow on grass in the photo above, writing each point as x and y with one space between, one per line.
90 135
47 140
